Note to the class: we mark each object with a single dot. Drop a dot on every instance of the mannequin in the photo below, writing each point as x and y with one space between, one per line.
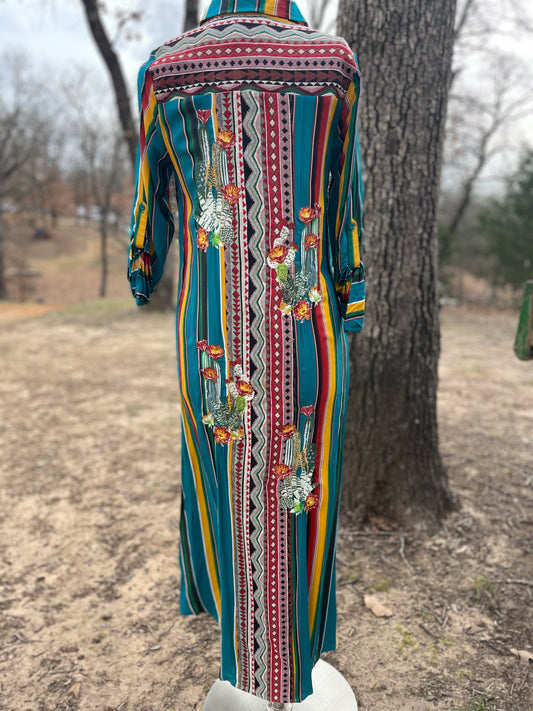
331 693
249 123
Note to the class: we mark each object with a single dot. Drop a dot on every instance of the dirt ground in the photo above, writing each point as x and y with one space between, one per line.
89 506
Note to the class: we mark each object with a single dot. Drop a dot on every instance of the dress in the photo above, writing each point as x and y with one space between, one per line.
255 116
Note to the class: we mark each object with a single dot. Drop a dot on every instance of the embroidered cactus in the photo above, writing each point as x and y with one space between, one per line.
216 196
300 456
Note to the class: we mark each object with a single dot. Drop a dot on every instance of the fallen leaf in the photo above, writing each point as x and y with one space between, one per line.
75 689
526 658
375 606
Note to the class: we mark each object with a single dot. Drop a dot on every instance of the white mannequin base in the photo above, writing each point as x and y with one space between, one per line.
331 693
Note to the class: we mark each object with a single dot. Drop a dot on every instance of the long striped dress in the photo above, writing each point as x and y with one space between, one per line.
255 116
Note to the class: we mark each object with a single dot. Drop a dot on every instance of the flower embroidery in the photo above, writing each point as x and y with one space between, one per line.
296 471
315 295
311 240
222 435
281 470
214 351
231 193
244 388
277 254
204 115
306 214
311 502
302 311
202 239
226 139
286 430
210 374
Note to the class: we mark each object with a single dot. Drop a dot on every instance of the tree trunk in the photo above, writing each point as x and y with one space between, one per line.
117 77
392 461
191 15
103 254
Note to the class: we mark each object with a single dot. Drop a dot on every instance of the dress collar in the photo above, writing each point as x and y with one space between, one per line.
283 9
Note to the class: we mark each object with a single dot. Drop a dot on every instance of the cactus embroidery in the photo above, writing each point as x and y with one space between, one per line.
295 473
224 415
216 196
300 292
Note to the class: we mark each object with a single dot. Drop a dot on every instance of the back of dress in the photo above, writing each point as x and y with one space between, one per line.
255 115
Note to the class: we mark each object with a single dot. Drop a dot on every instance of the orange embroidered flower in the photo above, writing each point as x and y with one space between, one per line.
204 115
307 410
202 239
238 434
277 254
311 240
281 470
286 430
209 374
231 193
214 351
222 435
311 502
244 388
226 139
302 311
306 214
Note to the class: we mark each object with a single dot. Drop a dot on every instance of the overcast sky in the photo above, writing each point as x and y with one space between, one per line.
54 36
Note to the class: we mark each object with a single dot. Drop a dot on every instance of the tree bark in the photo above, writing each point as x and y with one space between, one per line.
117 77
392 461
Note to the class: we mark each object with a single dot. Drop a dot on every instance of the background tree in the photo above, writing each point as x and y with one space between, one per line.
392 460
163 297
508 226
25 138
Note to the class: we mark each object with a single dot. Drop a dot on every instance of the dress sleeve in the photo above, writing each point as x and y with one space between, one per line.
346 214
152 223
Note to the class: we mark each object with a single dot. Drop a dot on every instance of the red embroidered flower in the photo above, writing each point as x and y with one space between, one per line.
209 374
281 470
311 502
204 115
306 214
201 345
222 435
202 239
302 311
231 193
311 240
226 139
278 253
214 351
244 388
307 410
286 430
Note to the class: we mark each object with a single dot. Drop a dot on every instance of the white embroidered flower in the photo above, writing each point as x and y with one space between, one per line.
208 419
285 308
315 295
233 389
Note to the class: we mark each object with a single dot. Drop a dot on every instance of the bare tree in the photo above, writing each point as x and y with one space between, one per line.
96 26
479 122
25 134
392 460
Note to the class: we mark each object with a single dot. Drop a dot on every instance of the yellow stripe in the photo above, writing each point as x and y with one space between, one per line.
355 307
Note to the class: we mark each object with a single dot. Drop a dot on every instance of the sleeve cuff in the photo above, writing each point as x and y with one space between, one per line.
351 302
